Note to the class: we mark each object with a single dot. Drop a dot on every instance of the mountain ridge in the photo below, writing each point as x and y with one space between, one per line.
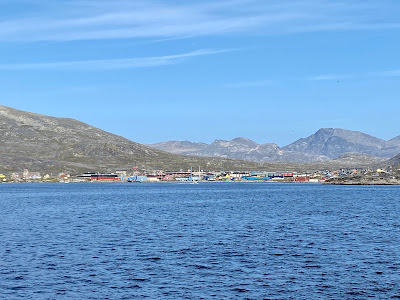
325 144
238 148
50 144
333 142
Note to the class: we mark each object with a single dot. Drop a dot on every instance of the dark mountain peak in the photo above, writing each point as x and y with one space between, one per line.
325 131
343 133
244 141
269 145
332 131
333 142
240 142
219 141
241 139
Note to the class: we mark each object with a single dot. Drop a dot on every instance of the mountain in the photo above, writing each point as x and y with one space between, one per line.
358 159
394 140
48 144
394 162
238 148
243 148
392 147
333 142
52 145
179 147
325 144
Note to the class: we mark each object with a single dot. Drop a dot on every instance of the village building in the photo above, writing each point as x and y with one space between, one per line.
26 175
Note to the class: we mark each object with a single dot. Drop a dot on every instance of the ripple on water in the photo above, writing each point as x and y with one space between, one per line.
246 241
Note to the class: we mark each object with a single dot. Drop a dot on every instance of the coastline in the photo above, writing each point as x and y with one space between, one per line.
332 182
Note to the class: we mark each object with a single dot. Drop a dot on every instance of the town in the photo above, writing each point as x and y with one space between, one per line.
341 176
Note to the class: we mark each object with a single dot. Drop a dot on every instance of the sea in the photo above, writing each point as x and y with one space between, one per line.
199 241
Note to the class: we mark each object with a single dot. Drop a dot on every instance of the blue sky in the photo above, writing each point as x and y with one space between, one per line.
272 71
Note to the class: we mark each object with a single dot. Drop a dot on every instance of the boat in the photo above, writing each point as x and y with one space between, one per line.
191 179
133 179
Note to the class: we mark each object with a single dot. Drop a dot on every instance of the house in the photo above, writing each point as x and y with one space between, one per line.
26 175
31 175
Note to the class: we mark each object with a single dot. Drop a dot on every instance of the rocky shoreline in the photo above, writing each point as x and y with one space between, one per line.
363 181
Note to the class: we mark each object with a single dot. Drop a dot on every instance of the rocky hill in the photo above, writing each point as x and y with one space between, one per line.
48 144
359 160
394 162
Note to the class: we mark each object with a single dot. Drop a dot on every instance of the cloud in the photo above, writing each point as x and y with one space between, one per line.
325 77
63 20
391 73
331 77
113 64
337 77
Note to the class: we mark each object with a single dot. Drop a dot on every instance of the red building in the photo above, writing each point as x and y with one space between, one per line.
105 177
302 179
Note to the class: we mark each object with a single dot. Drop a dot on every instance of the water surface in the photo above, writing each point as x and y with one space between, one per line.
211 240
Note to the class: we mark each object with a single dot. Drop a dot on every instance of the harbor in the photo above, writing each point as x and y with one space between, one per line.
336 177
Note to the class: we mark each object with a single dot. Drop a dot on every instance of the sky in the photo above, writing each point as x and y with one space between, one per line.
152 71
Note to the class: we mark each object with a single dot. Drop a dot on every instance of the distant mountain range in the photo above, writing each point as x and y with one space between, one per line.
325 144
239 148
48 144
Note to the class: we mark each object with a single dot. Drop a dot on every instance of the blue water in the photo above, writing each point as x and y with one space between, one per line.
211 240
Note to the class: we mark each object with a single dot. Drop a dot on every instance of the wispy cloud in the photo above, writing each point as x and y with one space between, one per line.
331 77
391 73
325 77
338 77
103 19
112 64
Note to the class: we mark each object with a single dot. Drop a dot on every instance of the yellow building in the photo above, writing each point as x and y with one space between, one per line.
2 177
